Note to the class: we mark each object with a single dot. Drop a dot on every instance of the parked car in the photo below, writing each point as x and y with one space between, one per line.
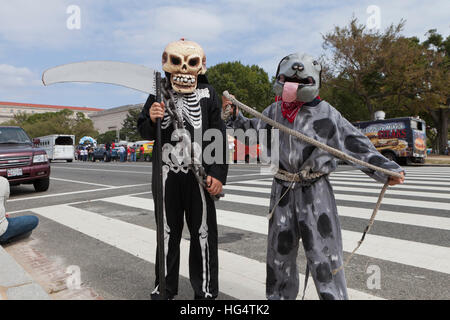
102 155
21 161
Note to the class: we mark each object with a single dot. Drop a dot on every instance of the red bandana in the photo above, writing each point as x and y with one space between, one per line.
290 109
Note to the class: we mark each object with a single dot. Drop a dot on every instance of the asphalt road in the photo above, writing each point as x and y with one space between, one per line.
409 244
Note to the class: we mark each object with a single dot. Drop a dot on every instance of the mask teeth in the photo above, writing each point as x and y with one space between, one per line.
185 79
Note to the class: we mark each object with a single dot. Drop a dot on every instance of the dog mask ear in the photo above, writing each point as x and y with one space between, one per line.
279 66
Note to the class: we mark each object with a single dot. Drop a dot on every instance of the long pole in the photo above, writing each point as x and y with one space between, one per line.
157 162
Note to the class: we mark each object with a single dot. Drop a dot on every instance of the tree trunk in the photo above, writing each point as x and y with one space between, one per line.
441 117
370 108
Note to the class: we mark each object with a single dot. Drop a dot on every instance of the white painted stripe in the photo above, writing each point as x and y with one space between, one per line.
408 173
383 215
412 253
81 182
148 172
413 174
417 186
239 277
370 200
374 183
437 184
77 192
375 193
425 180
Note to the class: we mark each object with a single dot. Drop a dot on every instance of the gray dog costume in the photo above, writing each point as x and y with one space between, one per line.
307 210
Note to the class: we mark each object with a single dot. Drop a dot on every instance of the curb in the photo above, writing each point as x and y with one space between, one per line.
16 283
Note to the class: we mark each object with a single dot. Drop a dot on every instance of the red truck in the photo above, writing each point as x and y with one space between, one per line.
21 161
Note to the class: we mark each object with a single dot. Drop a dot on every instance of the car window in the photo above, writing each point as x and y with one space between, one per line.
14 135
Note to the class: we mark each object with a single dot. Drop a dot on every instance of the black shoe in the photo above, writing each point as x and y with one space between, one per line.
157 296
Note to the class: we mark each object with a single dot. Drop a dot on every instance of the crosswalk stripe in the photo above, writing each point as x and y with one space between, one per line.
343 188
239 277
407 182
383 215
408 174
371 200
334 181
412 253
417 179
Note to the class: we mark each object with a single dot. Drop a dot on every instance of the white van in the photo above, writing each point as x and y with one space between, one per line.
58 146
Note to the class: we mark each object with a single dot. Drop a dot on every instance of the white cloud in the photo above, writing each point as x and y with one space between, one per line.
252 31
17 77
34 23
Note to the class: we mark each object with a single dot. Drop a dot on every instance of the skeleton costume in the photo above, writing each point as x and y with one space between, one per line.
306 209
197 104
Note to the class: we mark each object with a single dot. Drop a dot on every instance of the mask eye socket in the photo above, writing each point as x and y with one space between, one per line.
315 63
194 62
175 60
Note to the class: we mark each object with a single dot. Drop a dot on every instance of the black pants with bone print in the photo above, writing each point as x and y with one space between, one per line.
184 197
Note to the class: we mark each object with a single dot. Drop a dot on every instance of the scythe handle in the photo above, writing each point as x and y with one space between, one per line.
159 208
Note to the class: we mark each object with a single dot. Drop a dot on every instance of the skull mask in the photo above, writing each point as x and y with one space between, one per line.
298 78
185 61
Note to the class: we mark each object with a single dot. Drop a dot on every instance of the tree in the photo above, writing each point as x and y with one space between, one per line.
108 136
390 72
371 65
249 84
438 84
129 126
62 122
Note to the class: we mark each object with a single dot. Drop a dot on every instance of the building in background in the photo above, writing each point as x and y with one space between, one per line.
112 119
9 109
104 119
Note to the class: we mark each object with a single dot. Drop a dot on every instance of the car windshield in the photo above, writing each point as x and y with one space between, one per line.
13 135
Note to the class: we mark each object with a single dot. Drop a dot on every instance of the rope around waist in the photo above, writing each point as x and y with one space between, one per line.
303 177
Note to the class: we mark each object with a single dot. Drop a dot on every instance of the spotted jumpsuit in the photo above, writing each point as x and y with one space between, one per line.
308 211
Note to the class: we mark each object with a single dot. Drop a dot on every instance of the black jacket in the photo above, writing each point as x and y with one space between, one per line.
211 118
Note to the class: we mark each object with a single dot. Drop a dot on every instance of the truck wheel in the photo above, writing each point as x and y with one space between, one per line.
148 158
41 185
69 161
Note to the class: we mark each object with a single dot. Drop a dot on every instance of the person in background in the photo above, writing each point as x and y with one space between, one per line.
141 152
91 154
133 153
108 151
12 229
122 153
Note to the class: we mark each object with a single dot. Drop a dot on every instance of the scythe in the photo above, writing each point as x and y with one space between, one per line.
134 77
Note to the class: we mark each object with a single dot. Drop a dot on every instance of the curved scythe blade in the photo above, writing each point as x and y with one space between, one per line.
124 74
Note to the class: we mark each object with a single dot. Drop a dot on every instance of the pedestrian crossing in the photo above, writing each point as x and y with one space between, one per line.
245 207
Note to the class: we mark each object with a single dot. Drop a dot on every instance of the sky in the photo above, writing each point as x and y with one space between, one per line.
37 35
